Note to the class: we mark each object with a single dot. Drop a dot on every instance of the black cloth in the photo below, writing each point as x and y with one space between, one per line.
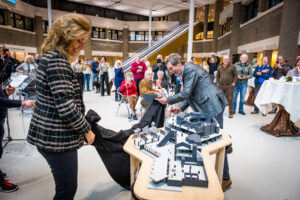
109 143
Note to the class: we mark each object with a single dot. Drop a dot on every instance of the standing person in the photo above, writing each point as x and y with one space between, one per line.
261 73
6 65
94 66
147 63
159 66
200 93
5 103
119 78
78 67
138 69
37 59
58 126
87 74
193 60
103 68
15 62
213 62
281 68
226 80
28 66
204 65
128 89
244 71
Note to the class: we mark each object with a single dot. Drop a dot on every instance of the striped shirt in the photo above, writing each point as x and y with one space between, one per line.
58 123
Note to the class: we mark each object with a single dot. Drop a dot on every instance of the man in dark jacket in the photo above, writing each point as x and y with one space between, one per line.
5 103
200 93
159 66
5 66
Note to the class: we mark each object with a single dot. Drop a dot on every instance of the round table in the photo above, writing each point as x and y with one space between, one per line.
251 96
286 95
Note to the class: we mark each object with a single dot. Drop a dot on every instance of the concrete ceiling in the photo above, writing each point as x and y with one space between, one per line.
142 7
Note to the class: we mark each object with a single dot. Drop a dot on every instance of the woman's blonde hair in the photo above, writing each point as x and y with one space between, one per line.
65 29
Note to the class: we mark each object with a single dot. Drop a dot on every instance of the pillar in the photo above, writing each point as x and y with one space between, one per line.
262 5
216 26
107 33
38 27
228 21
236 20
125 43
191 32
206 10
289 30
49 13
88 48
268 53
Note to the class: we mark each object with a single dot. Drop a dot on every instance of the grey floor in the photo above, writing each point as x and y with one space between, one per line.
261 166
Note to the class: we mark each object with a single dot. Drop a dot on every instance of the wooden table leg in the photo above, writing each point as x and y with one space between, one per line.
220 155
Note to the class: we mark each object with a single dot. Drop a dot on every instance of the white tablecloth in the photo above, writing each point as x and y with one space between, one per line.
251 82
283 93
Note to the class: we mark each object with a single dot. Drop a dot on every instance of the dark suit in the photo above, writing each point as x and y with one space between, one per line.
199 92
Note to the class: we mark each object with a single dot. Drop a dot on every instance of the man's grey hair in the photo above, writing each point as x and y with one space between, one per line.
147 72
244 55
174 59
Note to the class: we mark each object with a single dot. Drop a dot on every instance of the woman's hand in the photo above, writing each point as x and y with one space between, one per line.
90 137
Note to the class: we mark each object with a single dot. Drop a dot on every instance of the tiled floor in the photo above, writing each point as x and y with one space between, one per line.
262 167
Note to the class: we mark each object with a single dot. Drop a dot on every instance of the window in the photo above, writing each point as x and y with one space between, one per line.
116 35
132 35
45 26
274 3
140 36
251 10
2 22
21 22
98 33
158 35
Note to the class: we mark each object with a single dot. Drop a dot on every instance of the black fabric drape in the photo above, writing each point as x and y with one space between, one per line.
109 143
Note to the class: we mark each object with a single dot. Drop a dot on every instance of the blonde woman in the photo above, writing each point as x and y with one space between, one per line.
58 126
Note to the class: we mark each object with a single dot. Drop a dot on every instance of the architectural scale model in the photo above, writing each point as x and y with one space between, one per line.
177 150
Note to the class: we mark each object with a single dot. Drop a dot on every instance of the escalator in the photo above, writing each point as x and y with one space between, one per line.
166 45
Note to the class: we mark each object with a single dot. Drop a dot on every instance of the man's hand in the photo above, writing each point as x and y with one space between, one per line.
90 137
258 73
162 100
233 84
241 77
10 90
265 71
175 110
29 103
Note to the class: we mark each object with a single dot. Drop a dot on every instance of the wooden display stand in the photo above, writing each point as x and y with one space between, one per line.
251 97
214 191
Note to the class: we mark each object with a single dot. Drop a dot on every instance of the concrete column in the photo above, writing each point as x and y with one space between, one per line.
236 20
150 28
289 30
206 10
183 16
88 48
153 35
268 53
250 58
49 13
7 19
262 5
191 31
216 26
228 20
38 27
125 43
107 33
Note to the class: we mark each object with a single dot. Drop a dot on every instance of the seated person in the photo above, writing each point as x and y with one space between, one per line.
296 71
161 83
146 88
129 90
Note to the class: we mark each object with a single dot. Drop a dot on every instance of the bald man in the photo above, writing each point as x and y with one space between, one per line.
226 80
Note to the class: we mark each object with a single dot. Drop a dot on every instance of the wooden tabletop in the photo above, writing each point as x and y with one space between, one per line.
214 190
